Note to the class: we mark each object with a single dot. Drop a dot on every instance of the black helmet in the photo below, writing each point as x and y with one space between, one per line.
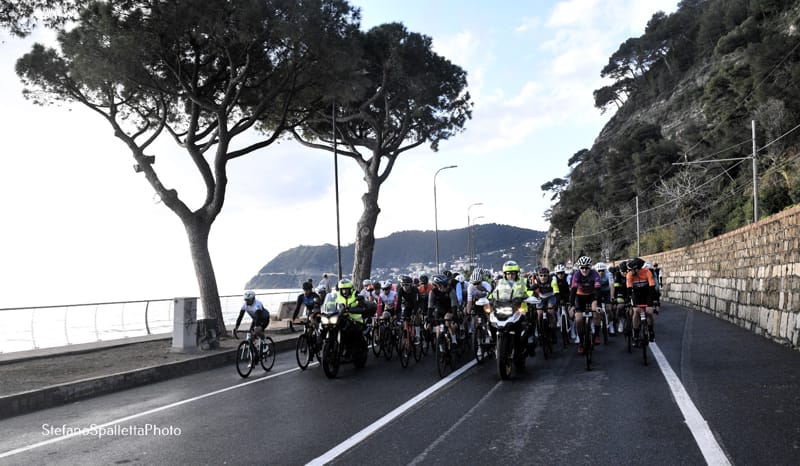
636 263
439 280
406 280
423 279
307 286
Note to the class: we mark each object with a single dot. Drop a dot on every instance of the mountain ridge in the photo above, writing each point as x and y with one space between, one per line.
405 252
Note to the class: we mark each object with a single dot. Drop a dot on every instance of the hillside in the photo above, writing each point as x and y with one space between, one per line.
679 146
411 252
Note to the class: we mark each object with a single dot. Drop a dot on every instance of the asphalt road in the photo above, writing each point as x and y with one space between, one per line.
734 398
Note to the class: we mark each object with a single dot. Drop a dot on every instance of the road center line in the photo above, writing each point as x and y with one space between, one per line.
709 446
90 430
360 436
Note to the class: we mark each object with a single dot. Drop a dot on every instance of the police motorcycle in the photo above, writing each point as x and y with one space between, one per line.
503 318
343 339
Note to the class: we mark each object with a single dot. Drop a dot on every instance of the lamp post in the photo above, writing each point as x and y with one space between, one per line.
469 232
469 236
436 213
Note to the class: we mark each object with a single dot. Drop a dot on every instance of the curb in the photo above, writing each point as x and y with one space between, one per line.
61 394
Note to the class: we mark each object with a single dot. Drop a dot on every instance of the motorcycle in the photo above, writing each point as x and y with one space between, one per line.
503 317
343 339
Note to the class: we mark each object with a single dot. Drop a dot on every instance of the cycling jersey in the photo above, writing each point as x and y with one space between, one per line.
257 312
642 286
310 301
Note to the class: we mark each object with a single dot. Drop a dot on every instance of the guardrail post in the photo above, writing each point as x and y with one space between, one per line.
184 325
146 323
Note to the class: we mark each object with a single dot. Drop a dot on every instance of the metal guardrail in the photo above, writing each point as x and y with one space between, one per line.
30 328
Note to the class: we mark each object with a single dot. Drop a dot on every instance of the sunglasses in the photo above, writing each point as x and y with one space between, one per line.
543 275
585 268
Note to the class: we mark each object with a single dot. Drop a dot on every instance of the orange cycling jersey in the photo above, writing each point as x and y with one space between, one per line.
640 279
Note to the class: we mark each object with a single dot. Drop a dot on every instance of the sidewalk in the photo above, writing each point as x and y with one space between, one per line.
39 379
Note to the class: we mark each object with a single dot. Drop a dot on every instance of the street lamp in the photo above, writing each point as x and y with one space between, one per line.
472 253
469 236
436 213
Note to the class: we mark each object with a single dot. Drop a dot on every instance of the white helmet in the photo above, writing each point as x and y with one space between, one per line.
601 266
560 268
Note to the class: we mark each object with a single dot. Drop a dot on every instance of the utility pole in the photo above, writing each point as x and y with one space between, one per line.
637 226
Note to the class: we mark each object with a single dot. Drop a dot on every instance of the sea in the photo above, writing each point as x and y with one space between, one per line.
32 328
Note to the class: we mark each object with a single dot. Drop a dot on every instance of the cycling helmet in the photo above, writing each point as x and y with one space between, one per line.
635 264
367 282
476 277
249 296
440 280
423 279
601 266
647 265
544 271
406 280
584 261
561 269
510 266
386 285
460 278
306 286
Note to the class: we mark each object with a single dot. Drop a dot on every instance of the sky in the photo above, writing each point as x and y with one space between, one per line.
80 226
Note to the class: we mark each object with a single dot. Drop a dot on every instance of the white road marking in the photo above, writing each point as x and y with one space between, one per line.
358 437
97 428
709 447
467 415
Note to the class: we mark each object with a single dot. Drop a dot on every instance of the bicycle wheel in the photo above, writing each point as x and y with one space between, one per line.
387 342
588 344
416 347
478 337
404 349
544 339
376 339
302 351
628 331
442 355
244 358
268 354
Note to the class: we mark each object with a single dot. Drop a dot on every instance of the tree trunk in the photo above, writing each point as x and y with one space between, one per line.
211 323
365 235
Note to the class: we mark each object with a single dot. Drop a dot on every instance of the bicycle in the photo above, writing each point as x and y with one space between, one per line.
543 328
248 353
378 328
308 344
603 322
644 330
563 323
586 338
407 346
444 356
482 338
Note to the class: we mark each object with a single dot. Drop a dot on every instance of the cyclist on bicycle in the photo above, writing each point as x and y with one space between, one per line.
408 297
308 299
478 288
584 290
604 298
259 315
620 292
563 291
545 287
442 304
641 289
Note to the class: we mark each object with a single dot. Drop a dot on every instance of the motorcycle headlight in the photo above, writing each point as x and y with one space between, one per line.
325 320
504 312
334 319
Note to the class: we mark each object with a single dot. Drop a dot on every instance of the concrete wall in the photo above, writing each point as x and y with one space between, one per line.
750 276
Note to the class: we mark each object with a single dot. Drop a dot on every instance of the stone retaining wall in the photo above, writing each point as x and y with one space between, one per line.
749 276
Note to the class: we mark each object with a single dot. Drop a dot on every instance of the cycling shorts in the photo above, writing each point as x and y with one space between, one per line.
550 302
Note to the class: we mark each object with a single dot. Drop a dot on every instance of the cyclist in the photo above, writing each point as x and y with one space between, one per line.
259 315
387 299
478 288
545 287
641 289
605 297
442 304
324 285
312 302
424 288
511 289
408 297
563 292
584 290
620 291
657 280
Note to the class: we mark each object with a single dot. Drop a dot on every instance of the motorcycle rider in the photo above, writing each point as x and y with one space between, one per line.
357 309
511 289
